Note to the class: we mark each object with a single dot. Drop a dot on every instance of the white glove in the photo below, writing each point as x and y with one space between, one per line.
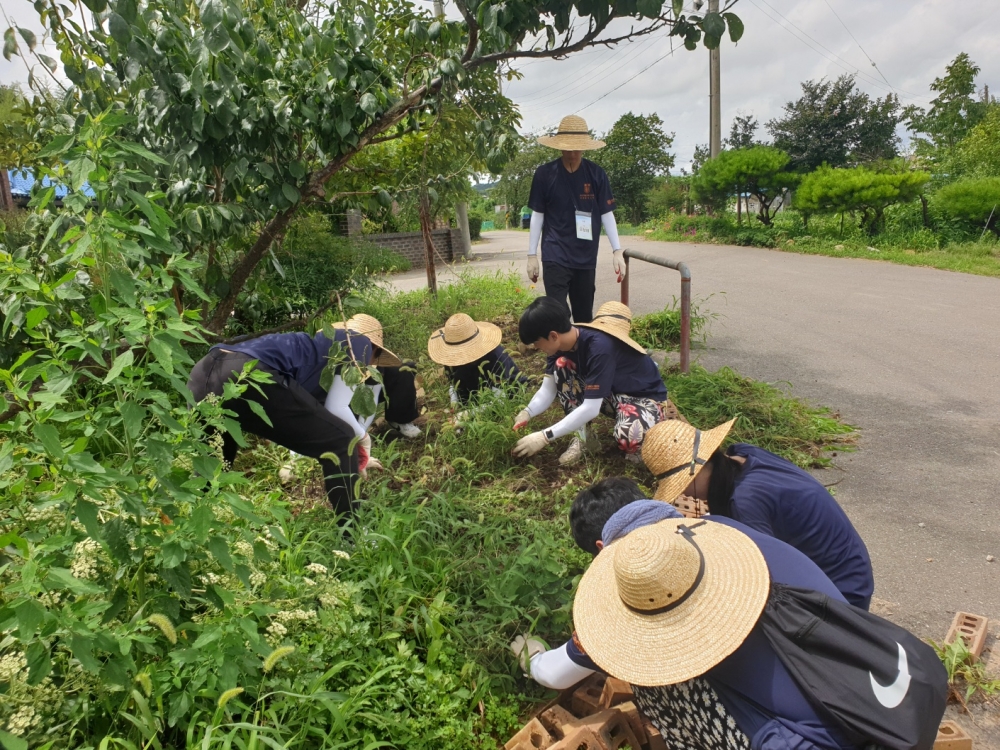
526 647
522 419
373 463
529 445
618 260
462 417
533 268
366 443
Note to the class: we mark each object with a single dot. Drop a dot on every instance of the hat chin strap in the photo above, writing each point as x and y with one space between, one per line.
456 343
692 465
687 533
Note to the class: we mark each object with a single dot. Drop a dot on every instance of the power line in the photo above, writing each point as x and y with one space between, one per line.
858 43
664 57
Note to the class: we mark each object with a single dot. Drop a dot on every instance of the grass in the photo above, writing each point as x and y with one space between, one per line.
662 330
905 241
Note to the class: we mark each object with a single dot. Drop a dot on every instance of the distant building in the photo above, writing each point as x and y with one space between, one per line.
16 186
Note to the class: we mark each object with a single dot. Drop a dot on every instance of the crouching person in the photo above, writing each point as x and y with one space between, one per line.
473 358
303 417
592 368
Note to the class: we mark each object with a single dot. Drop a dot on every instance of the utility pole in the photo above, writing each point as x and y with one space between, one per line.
714 106
438 8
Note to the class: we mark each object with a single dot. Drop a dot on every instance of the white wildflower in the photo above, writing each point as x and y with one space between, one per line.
12 667
275 632
244 548
42 515
23 720
257 579
85 559
308 581
316 569
296 615
211 579
341 554
329 601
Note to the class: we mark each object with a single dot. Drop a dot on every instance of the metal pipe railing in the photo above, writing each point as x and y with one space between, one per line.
685 273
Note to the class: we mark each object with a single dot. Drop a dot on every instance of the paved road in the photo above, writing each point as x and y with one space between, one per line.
909 355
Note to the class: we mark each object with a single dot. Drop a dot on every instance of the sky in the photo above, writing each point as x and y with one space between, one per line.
785 43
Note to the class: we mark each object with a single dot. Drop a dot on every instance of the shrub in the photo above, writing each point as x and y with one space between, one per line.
475 227
858 190
662 330
758 170
976 201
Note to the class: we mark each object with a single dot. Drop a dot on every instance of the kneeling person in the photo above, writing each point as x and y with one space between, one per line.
472 356
592 368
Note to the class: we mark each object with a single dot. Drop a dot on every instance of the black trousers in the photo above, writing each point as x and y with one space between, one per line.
399 384
578 283
299 422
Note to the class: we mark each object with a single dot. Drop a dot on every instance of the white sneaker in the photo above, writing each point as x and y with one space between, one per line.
408 430
573 454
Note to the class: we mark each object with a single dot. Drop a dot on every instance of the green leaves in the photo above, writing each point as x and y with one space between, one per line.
123 360
735 26
119 29
369 104
48 436
714 27
29 616
9 43
649 8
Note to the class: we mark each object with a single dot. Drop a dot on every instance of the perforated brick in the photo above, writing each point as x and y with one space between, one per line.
634 718
972 628
558 721
587 697
612 726
951 736
615 691
690 507
656 741
581 739
533 736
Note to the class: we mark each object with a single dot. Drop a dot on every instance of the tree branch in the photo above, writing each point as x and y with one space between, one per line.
291 325
470 21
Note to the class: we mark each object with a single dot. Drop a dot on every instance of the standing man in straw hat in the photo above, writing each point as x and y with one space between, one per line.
570 201
300 415
592 367
473 357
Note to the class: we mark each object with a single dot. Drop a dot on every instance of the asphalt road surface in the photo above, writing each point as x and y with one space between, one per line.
911 356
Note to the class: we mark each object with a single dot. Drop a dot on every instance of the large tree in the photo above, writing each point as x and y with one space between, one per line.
760 171
743 133
258 106
837 124
514 185
953 112
636 152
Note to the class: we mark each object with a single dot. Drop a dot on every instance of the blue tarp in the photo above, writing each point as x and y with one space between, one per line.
21 183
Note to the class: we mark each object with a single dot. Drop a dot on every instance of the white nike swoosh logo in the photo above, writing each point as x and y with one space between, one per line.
892 695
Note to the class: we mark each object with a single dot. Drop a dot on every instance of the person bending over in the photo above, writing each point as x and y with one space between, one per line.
592 368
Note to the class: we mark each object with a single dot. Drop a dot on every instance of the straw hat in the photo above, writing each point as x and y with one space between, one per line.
572 135
369 327
462 340
675 452
670 601
615 319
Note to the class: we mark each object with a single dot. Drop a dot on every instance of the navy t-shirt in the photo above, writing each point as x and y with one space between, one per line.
778 498
608 366
493 368
300 356
558 195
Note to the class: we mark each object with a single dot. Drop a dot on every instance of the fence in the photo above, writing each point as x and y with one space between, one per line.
685 297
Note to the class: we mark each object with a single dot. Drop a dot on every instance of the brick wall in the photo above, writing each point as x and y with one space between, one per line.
447 242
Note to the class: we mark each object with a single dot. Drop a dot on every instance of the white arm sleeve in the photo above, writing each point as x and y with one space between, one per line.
543 399
453 396
554 669
611 229
366 422
338 403
577 418
535 232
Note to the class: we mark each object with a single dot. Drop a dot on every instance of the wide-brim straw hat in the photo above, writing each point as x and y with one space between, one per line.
572 135
615 319
462 340
675 452
370 328
669 601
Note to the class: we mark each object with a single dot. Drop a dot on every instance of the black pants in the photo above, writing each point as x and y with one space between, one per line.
300 422
578 283
400 393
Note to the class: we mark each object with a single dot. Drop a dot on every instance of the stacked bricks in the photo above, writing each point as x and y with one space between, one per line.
597 714
972 629
690 507
447 242
951 736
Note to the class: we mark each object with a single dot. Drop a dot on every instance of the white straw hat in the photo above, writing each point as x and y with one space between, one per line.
462 340
669 601
675 452
572 135
615 319
369 327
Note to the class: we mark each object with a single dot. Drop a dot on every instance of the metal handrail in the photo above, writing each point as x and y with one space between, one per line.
685 273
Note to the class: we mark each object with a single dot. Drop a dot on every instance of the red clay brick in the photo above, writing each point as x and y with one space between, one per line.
656 741
532 735
558 721
587 697
690 507
581 739
612 726
952 737
634 718
615 691
972 628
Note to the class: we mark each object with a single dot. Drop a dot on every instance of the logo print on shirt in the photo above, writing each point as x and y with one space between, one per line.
892 695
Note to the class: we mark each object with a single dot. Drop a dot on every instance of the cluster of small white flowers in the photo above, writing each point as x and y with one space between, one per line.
308 581
268 541
12 667
43 515
296 615
79 527
316 569
341 554
24 718
85 556
52 598
258 579
329 601
244 548
275 633
211 579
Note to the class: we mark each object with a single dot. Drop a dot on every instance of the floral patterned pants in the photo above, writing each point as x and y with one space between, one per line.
690 716
633 415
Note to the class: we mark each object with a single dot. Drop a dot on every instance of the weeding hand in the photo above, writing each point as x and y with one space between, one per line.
618 261
529 445
522 419
533 268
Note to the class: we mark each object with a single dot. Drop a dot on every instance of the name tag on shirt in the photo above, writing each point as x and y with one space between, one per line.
584 226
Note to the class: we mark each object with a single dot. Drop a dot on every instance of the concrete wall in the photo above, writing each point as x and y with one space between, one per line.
447 242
